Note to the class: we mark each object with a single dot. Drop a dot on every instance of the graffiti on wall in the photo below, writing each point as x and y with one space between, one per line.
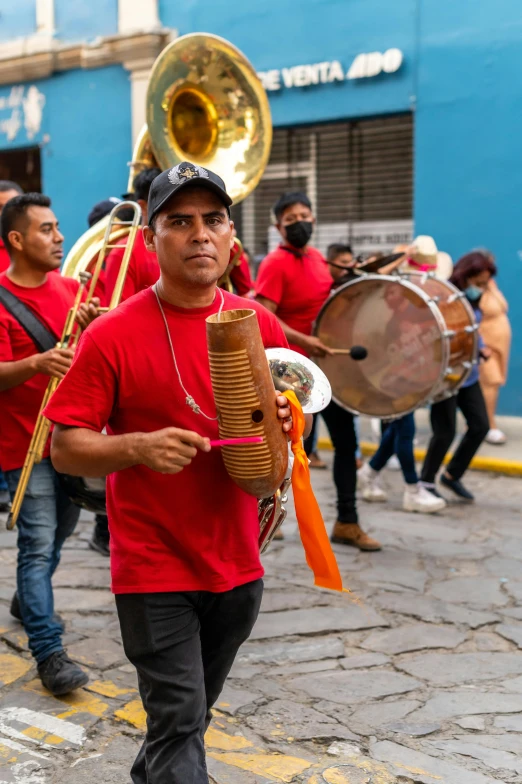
22 107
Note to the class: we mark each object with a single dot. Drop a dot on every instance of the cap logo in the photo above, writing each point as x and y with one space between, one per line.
185 172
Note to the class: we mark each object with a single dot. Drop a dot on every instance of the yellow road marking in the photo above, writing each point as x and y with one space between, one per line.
108 689
215 739
280 766
7 753
82 702
134 714
12 668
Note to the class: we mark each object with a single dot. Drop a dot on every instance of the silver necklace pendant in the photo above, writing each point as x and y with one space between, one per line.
189 400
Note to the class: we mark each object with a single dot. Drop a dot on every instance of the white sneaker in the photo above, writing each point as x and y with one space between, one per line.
393 463
496 436
368 483
417 499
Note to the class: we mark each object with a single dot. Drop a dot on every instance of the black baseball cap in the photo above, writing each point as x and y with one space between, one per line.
171 181
101 209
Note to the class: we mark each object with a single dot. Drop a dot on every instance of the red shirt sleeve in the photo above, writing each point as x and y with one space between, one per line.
270 281
241 278
86 396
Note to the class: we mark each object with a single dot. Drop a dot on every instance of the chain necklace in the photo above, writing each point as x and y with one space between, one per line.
189 400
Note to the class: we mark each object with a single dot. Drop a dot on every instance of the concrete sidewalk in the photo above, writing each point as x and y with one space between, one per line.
505 459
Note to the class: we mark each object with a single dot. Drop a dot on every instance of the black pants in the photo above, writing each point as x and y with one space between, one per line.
101 527
443 424
342 433
183 646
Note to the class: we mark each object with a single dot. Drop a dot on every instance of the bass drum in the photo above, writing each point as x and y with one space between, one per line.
420 337
461 329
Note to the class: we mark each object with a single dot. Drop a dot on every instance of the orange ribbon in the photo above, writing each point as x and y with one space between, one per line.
319 554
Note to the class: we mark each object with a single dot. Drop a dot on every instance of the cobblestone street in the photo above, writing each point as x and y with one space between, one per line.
414 678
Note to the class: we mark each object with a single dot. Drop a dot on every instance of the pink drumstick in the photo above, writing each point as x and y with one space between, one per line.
237 441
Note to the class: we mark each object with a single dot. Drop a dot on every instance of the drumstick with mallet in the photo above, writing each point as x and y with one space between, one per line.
356 352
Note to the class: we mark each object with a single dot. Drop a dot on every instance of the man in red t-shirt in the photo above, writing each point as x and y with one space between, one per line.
184 537
294 282
8 190
47 517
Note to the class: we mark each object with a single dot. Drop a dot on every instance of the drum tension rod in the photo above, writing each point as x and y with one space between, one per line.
450 333
457 295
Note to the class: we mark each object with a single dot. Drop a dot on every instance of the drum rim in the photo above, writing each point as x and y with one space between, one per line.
439 318
472 320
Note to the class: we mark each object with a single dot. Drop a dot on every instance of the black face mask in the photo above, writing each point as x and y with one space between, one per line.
298 234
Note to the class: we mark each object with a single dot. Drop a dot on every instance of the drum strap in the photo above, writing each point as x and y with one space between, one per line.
42 338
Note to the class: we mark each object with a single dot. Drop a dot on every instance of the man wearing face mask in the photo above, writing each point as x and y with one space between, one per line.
293 282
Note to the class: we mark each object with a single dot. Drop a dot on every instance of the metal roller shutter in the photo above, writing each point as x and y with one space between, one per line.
359 176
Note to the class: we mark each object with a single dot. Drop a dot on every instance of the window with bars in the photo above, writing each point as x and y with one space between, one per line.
359 176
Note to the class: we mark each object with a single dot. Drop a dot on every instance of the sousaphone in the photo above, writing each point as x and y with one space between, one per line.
205 104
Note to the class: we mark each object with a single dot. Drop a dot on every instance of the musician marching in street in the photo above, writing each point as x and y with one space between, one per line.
8 190
184 538
31 288
293 283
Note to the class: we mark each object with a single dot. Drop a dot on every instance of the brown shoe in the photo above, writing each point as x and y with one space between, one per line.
315 461
351 534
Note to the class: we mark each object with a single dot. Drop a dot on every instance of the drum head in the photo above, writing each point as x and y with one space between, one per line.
402 331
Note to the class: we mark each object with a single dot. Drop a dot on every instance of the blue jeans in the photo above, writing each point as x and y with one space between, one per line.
46 519
3 483
397 439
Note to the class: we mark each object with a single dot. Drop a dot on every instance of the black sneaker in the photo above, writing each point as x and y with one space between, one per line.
457 487
17 613
60 675
99 543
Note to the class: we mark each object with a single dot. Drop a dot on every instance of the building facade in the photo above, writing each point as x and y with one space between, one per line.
397 118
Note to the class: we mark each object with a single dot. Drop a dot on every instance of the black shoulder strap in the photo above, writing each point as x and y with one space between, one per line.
39 334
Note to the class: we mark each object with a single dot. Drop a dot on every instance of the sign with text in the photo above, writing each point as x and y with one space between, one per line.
364 66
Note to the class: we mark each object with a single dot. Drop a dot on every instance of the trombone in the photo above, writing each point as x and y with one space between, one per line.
69 339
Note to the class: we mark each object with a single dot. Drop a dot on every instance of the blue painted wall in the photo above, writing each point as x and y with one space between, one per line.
468 157
84 20
286 34
86 141
17 19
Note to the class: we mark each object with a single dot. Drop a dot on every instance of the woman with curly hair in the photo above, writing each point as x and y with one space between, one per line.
472 275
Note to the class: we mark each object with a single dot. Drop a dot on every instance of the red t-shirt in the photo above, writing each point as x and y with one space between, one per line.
241 278
143 269
192 531
5 261
20 405
298 284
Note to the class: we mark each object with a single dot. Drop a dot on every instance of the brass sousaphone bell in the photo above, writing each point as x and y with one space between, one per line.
206 104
